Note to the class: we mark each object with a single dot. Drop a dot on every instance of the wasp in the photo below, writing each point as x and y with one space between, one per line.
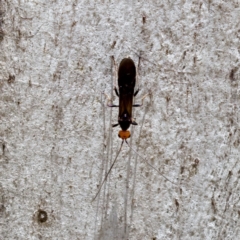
126 79
125 92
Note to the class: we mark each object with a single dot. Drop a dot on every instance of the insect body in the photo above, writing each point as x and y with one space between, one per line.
127 78
126 84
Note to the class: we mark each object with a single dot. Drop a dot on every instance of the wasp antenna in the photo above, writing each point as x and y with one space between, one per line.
104 180
150 164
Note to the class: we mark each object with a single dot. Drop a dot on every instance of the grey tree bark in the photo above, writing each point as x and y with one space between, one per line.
56 139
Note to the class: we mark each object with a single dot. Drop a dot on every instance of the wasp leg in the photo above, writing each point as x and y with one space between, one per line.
137 77
116 91
114 125
113 105
133 122
115 75
136 93
139 105
109 102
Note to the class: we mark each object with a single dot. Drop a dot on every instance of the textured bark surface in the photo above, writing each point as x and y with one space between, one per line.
56 139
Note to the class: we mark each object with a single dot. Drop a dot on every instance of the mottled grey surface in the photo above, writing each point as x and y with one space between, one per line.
55 128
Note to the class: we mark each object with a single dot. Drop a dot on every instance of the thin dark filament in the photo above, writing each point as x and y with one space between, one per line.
150 164
104 180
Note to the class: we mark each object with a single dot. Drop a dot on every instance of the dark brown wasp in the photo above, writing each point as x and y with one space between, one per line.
126 84
126 77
